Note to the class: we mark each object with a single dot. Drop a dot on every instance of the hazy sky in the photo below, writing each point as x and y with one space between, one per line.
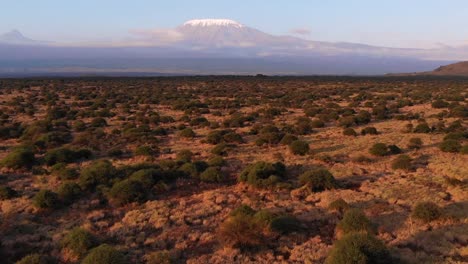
395 23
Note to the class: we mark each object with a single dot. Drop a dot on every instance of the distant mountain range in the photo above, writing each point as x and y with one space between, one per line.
215 46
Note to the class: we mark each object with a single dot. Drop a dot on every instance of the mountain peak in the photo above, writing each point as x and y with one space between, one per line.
14 34
213 22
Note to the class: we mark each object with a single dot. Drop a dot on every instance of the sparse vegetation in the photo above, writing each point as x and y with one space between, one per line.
151 171
318 180
426 212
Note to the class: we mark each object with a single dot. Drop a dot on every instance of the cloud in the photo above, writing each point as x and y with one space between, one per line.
157 36
300 31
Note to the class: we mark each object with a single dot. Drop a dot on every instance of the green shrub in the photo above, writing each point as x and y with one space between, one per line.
263 174
339 205
464 150
285 224
243 210
212 174
79 241
216 161
98 173
349 132
318 180
187 133
104 254
147 177
160 257
354 220
288 139
422 128
426 212
69 192
359 248
190 170
127 191
402 162
240 230
299 147
21 157
379 149
61 171
184 155
317 123
7 193
450 145
220 149
264 217
46 199
144 151
65 155
369 131
393 149
36 259
439 103
415 143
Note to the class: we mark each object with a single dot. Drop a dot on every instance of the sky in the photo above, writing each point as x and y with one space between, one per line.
392 23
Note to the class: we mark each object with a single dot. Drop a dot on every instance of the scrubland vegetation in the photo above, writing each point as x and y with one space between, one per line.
234 170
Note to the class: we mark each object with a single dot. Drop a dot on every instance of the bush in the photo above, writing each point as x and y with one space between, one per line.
46 199
216 161
369 131
464 150
99 172
7 193
354 220
144 151
19 158
104 254
243 210
349 132
415 143
393 149
79 241
422 128
426 212
190 170
263 174
36 259
147 177
318 180
450 145
402 162
69 192
339 205
184 155
288 139
127 191
61 171
359 248
65 155
241 231
220 149
379 149
439 103
317 123
212 174
160 257
299 147
187 133
285 224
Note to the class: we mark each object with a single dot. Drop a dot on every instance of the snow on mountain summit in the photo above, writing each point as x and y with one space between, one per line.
213 22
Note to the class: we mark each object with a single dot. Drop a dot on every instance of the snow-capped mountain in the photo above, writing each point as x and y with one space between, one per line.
221 46
225 33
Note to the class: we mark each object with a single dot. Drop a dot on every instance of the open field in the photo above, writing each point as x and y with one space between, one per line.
157 169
